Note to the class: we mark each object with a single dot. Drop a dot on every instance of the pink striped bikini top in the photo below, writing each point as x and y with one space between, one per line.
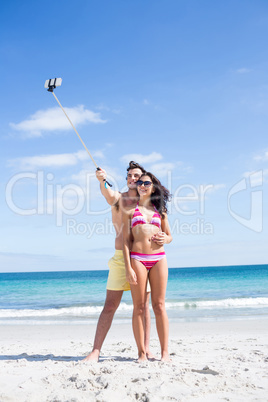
138 218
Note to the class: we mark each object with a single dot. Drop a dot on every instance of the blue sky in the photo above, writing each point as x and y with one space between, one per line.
179 86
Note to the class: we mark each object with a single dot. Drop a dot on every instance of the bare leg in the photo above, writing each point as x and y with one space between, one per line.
147 326
138 293
158 279
113 298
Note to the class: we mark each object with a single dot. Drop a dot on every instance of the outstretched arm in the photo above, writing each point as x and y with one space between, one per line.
130 273
164 236
110 195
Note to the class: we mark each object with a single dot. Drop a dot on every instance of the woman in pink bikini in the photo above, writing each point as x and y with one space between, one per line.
146 230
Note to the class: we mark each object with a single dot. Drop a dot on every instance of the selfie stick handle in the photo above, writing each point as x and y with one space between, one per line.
79 136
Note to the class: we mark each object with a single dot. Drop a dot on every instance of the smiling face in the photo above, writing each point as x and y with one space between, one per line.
145 186
132 176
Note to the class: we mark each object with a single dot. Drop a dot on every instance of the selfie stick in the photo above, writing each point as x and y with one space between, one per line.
51 85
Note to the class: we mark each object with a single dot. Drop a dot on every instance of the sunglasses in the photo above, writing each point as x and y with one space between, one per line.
146 183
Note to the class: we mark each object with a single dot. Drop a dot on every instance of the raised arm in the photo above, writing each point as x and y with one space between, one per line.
164 236
110 195
127 241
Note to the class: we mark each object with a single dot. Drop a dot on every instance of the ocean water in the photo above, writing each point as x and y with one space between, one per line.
77 297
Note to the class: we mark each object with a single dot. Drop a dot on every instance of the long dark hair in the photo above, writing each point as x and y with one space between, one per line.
160 196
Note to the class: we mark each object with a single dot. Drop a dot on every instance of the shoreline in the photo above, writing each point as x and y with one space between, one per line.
126 321
176 330
44 362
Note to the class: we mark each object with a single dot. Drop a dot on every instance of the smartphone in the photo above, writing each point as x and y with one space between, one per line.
53 82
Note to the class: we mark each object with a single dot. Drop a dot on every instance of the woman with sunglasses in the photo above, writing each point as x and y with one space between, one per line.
146 230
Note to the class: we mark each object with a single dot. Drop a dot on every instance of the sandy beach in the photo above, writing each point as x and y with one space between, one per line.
211 361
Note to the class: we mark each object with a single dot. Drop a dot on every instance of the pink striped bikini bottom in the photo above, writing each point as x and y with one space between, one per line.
148 260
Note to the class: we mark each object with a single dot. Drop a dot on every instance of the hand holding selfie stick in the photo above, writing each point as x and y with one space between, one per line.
51 85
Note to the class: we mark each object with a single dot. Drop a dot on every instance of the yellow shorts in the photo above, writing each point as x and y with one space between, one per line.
117 274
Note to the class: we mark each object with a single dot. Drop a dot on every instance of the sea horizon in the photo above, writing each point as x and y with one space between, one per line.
169 268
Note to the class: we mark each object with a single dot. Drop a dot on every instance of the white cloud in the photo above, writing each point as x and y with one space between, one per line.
139 158
161 169
102 106
214 187
53 119
54 160
243 70
261 158
98 154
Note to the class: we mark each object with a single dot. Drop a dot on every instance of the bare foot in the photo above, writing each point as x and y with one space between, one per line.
142 358
150 356
165 358
92 357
